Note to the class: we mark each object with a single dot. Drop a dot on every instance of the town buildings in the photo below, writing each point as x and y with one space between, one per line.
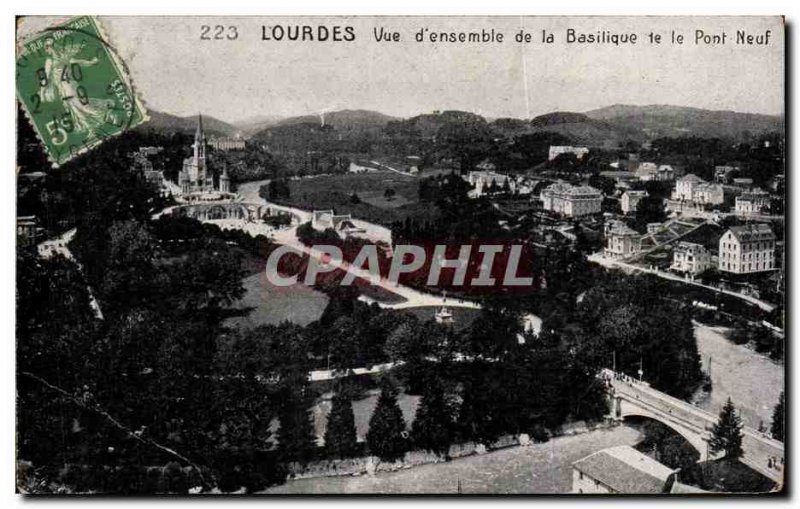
28 230
622 241
684 187
225 144
708 194
694 189
630 200
557 150
620 469
747 248
646 170
690 258
651 171
483 181
572 201
754 201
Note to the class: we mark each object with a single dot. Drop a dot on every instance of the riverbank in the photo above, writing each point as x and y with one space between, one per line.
535 469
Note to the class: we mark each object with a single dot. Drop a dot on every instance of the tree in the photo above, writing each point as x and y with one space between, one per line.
296 438
650 210
727 433
480 414
433 426
340 432
386 426
389 194
778 416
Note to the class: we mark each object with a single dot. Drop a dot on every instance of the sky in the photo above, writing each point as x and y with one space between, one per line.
174 71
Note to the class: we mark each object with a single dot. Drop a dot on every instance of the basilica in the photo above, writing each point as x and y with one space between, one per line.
195 180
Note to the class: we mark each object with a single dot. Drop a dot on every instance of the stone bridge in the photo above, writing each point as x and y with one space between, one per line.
228 210
631 397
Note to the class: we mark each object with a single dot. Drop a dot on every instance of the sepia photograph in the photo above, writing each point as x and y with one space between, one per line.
400 255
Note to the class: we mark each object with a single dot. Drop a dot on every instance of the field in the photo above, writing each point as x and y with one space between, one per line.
271 304
336 192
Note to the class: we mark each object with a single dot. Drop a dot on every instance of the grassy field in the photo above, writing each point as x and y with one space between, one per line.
271 304
335 192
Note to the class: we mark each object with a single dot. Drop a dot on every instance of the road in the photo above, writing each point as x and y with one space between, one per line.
413 298
540 468
760 450
601 259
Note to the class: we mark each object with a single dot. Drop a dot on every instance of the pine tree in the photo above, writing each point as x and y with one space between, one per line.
296 439
778 416
727 433
340 432
433 427
386 426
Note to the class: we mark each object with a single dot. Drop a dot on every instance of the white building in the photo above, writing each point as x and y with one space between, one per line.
622 242
690 258
646 170
755 201
225 144
343 225
712 194
665 172
747 248
481 180
630 200
557 150
684 187
572 201
620 469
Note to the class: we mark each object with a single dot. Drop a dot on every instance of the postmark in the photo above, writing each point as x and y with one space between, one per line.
74 89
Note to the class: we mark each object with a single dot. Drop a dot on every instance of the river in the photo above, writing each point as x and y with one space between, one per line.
539 468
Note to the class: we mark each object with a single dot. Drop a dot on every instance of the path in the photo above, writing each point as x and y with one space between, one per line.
389 168
612 263
59 246
413 298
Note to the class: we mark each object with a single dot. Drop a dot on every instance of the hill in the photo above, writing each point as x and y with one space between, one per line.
252 125
584 130
165 122
656 120
347 119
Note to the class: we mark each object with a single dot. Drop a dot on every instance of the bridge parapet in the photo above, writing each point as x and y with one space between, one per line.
633 397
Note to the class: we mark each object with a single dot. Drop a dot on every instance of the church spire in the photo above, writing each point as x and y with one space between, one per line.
199 135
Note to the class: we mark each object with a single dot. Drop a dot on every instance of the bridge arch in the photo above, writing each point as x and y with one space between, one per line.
622 409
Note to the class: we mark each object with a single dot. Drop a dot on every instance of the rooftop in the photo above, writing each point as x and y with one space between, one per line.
752 232
625 470
691 178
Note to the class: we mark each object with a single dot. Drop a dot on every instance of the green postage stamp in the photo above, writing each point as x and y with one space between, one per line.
74 89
